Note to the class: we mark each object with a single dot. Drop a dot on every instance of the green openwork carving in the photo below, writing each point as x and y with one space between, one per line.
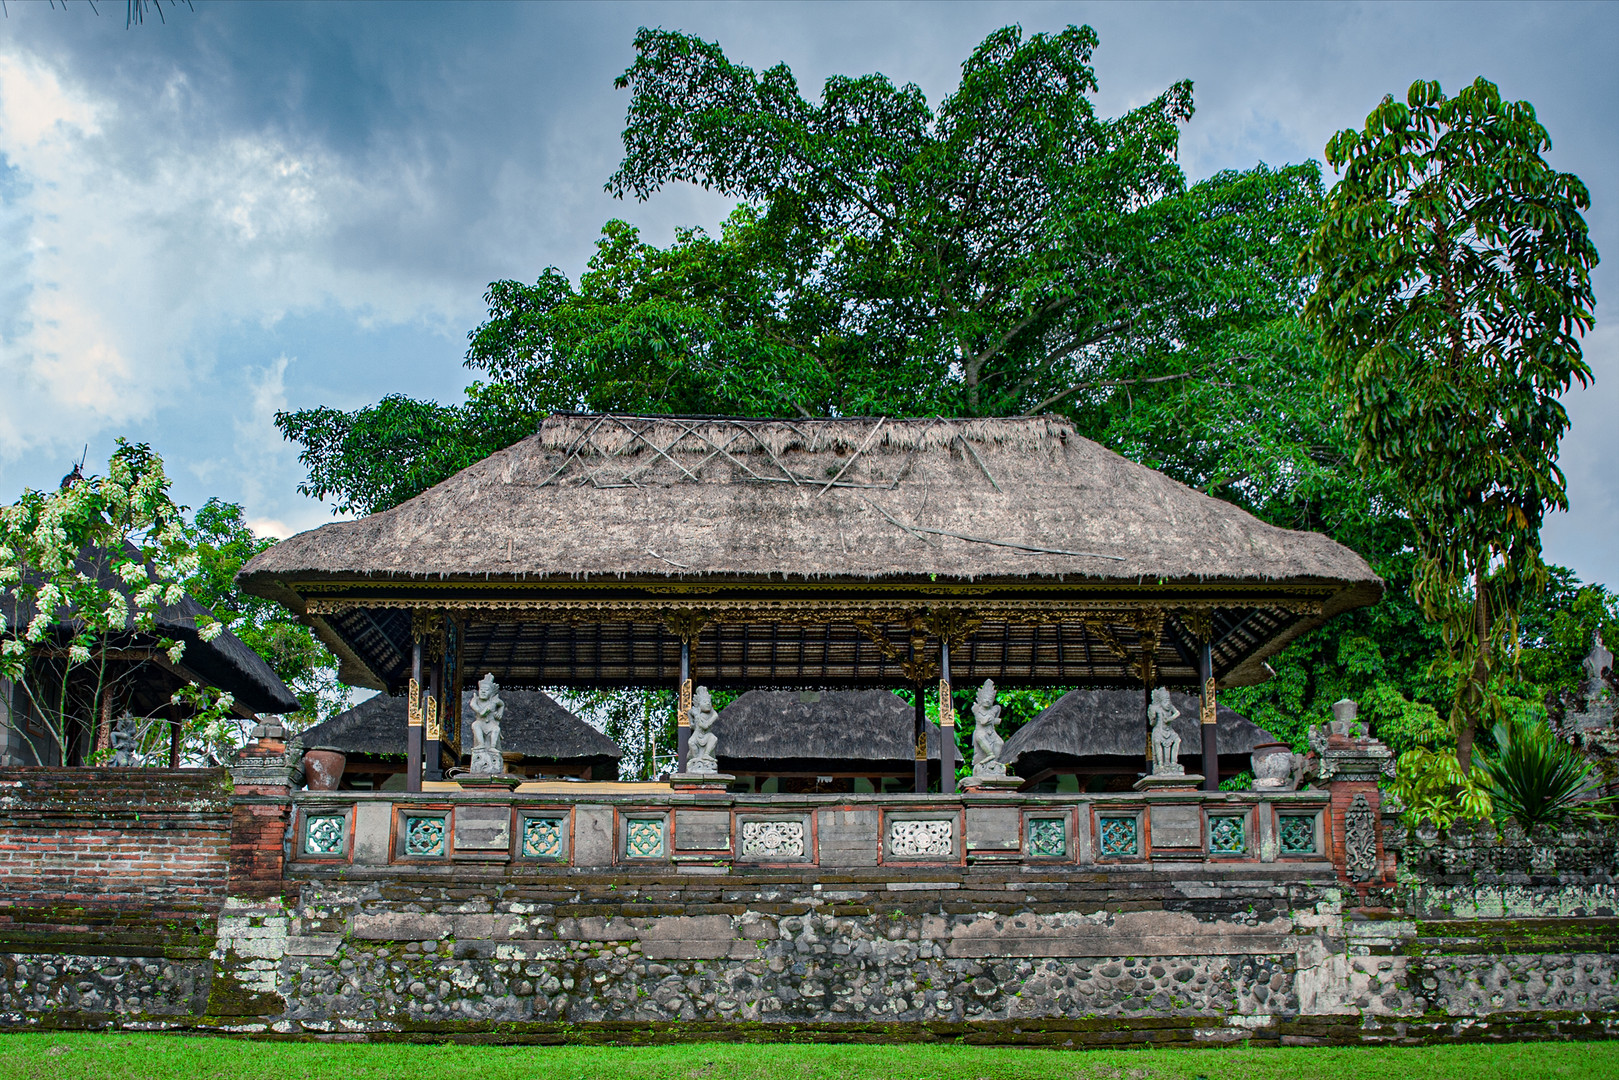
1228 836
643 838
1048 838
325 834
1120 837
1298 833
424 836
542 838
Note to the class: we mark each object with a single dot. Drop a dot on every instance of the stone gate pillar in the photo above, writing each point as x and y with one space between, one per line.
1349 763
260 811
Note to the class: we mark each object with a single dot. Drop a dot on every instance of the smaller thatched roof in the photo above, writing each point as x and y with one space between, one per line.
836 730
1093 724
225 662
534 726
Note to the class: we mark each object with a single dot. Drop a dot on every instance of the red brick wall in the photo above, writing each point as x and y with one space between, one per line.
113 837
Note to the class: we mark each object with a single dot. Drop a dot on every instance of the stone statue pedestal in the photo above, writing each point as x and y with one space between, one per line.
713 781
489 781
1181 782
987 784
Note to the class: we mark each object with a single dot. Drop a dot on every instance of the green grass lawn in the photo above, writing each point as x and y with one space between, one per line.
160 1057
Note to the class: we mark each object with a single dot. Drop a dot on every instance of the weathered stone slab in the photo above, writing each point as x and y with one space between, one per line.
593 835
483 828
1176 826
702 830
1131 933
847 837
482 926
595 928
314 945
689 937
373 828
993 828
401 926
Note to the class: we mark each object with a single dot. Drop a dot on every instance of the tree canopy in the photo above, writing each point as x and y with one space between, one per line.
1453 286
1007 251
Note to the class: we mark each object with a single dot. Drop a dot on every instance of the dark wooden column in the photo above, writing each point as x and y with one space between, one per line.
683 706
1206 714
413 730
433 726
921 741
174 736
1146 719
947 722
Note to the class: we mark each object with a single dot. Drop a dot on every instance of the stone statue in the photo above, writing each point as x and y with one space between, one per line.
122 736
488 711
987 742
1166 743
702 747
1599 660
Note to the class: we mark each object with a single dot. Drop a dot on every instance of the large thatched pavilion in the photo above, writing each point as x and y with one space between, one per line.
843 553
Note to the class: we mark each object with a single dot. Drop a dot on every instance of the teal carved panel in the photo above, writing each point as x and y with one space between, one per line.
542 837
325 834
644 838
424 836
1121 837
1228 835
1048 838
1297 833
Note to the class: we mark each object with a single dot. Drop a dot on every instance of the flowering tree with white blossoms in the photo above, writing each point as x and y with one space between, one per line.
89 575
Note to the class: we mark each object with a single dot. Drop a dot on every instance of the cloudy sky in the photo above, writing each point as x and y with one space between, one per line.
253 207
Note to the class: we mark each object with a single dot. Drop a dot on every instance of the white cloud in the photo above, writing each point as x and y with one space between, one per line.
144 243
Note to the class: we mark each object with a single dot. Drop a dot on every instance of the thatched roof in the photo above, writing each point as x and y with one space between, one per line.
664 511
534 726
1110 723
698 498
837 729
225 662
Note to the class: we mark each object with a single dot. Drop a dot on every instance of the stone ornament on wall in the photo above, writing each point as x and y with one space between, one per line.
770 840
921 839
1360 840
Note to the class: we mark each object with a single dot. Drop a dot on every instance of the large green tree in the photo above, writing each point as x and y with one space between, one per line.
1007 252
1454 286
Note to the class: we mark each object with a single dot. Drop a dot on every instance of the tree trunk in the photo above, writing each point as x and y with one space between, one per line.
1480 676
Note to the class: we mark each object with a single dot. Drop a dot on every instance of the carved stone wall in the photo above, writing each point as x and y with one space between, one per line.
1023 931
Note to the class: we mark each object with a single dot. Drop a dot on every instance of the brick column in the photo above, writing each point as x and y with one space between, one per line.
261 808
1349 764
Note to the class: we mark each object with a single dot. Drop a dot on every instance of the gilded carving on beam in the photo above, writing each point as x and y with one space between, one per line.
413 704
686 623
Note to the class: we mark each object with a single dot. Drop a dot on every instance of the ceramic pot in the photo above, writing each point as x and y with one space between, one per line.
1272 764
323 768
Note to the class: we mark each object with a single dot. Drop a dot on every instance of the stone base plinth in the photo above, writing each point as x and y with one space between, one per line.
1184 782
716 781
485 781
984 784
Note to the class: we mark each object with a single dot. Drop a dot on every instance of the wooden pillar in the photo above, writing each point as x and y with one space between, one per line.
921 740
174 736
947 722
104 731
432 727
683 706
1207 716
449 693
413 731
